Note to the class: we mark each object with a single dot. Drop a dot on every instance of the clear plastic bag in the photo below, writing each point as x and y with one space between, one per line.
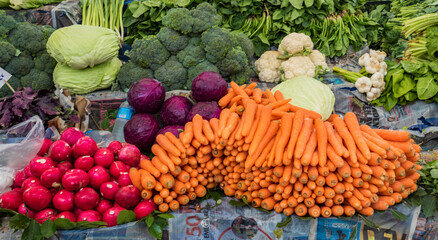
18 145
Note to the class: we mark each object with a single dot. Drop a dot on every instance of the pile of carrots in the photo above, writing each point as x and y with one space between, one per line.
281 157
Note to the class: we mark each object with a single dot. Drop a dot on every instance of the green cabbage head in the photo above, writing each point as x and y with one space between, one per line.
28 4
4 3
81 46
308 93
87 80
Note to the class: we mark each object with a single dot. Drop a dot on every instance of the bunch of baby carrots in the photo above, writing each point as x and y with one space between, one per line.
281 157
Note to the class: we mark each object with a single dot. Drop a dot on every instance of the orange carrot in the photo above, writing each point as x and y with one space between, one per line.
167 145
342 129
303 137
353 125
308 113
321 133
257 94
392 135
268 203
285 131
261 129
162 155
301 210
315 211
159 165
296 129
230 126
337 160
309 149
188 133
326 212
223 102
278 95
337 210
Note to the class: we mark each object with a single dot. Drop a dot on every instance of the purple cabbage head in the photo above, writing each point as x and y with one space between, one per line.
174 110
209 86
207 110
146 95
141 130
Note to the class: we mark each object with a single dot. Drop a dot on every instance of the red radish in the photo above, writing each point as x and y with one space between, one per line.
144 208
64 200
22 209
60 151
40 164
108 190
19 178
64 166
104 157
54 191
86 198
45 147
128 196
51 178
116 205
37 198
117 167
67 215
115 147
11 200
124 179
98 175
103 206
85 146
30 182
27 171
85 163
130 155
71 135
45 215
77 211
75 179
110 216
18 190
89 216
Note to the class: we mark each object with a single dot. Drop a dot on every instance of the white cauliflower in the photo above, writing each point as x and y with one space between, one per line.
363 84
318 60
364 59
295 43
267 67
372 66
298 66
379 55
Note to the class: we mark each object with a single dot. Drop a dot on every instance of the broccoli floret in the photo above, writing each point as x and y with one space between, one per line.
216 43
27 37
37 80
7 51
7 24
5 91
172 74
149 52
234 62
172 40
241 77
191 55
20 66
179 19
241 40
47 31
198 69
195 41
205 16
45 62
130 73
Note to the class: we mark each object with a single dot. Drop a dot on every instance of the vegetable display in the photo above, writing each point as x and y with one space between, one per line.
281 157
23 54
189 43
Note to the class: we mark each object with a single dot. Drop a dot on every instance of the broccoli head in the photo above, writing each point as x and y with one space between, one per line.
47 31
205 16
20 66
172 74
179 19
216 43
241 77
172 40
195 41
148 52
234 62
45 62
241 40
37 80
5 91
130 73
7 52
7 24
191 55
201 67
27 37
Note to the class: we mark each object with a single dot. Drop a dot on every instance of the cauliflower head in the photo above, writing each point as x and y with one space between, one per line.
268 66
298 66
295 43
318 60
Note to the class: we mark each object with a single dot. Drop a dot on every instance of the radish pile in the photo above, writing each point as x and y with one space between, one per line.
72 178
